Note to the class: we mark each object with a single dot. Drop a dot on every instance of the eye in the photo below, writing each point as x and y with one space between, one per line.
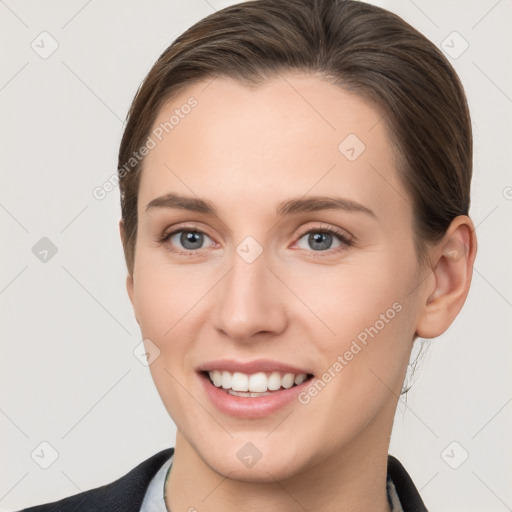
321 239
187 240
190 240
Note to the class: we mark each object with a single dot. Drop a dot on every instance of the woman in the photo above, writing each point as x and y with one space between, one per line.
295 187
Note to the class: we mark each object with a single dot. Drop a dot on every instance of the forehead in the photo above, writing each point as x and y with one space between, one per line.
291 136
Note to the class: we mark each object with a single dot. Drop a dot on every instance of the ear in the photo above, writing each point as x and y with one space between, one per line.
452 269
129 277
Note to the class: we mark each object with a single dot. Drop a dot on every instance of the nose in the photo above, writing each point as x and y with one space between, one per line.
250 301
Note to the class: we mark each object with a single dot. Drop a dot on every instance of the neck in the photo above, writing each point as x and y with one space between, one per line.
352 479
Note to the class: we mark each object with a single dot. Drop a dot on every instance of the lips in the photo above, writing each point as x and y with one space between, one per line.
250 367
252 389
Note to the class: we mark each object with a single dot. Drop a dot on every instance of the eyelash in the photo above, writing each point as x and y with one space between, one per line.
343 238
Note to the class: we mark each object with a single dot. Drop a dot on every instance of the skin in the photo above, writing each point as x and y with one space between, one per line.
247 150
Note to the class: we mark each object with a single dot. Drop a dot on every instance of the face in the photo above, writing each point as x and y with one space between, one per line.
275 249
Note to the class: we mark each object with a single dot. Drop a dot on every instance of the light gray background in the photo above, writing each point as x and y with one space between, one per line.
68 374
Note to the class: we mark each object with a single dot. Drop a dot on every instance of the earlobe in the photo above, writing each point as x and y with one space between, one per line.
452 271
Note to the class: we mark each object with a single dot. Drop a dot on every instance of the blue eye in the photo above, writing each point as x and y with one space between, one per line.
320 240
190 240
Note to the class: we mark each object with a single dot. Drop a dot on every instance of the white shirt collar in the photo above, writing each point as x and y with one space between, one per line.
154 499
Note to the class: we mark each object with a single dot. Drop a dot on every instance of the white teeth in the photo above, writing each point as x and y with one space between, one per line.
288 380
240 382
216 377
299 379
239 393
274 381
226 380
257 384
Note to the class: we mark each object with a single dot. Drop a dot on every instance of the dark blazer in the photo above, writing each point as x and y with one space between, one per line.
126 493
123 495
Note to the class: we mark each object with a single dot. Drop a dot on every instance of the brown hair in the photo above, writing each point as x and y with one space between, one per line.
361 48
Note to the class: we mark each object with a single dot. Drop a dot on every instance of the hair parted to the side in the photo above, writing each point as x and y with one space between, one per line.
360 47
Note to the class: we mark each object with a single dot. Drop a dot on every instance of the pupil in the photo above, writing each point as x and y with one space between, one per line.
322 240
191 237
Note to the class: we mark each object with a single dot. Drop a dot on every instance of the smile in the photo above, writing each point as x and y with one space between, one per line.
252 389
254 385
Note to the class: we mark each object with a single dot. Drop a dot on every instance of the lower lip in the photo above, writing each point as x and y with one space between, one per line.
250 407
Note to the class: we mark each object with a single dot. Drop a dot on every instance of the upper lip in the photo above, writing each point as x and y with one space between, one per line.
250 367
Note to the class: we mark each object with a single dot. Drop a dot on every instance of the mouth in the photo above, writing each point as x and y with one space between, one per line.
254 385
252 390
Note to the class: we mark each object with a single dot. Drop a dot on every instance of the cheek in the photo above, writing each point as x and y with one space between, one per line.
164 299
354 298
154 303
166 295
370 314
374 324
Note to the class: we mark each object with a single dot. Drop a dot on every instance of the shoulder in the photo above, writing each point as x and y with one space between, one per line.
123 495
406 491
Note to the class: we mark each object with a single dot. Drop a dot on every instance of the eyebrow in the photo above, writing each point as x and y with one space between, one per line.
288 207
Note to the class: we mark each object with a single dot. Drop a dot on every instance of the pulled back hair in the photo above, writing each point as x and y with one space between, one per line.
359 47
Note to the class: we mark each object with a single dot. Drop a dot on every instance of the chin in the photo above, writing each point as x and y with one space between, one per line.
258 461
